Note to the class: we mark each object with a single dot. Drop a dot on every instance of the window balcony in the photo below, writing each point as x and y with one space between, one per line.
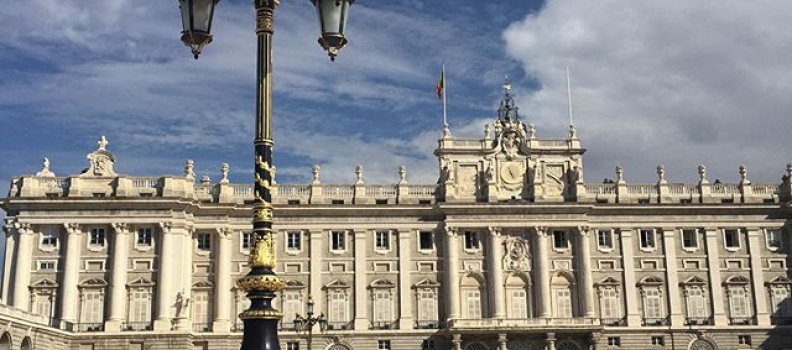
339 326
742 321
90 327
427 324
698 321
383 325
662 321
62 325
613 322
202 327
137 326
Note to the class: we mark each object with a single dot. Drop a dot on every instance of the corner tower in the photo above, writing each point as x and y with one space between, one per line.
510 162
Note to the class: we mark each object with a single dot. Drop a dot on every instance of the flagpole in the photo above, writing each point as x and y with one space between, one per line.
445 89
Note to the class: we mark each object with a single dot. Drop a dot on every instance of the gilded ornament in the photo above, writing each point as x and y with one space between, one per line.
261 282
261 314
263 254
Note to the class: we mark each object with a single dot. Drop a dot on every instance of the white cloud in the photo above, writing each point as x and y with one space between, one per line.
674 82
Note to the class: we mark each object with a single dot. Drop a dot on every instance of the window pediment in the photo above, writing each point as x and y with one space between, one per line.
295 284
608 282
93 283
203 285
44 283
694 281
780 280
651 281
426 283
141 282
382 283
740 280
337 284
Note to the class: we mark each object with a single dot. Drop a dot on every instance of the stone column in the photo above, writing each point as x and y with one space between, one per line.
451 262
628 265
715 281
405 271
502 340
758 291
222 293
24 263
496 288
456 341
675 302
584 267
361 297
551 341
10 245
118 295
71 273
315 266
542 272
168 262
185 239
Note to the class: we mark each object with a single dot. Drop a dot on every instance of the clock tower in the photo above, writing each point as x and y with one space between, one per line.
510 162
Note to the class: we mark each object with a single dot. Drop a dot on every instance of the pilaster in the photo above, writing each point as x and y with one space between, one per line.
541 270
169 246
451 263
9 258
222 293
584 269
497 292
405 271
185 239
628 264
715 281
758 290
71 272
315 266
674 299
24 264
118 297
361 297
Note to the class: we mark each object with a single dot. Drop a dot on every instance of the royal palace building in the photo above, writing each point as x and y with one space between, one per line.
510 249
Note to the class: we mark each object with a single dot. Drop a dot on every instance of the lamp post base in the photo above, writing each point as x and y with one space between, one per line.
260 334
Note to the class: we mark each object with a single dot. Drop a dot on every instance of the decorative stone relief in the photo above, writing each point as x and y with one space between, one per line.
100 162
517 256
467 184
554 180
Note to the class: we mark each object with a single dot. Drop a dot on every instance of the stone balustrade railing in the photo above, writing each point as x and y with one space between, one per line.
180 187
506 323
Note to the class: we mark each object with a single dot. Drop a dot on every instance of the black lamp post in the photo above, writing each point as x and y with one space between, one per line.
261 283
306 324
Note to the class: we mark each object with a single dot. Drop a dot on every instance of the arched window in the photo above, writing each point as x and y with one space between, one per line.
27 344
568 344
779 289
562 296
518 297
474 295
5 341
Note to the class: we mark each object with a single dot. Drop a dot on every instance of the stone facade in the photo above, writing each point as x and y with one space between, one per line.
511 249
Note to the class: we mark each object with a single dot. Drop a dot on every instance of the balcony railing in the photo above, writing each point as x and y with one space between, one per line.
90 327
137 326
339 326
62 325
651 321
488 323
742 321
202 327
430 324
613 322
698 321
382 325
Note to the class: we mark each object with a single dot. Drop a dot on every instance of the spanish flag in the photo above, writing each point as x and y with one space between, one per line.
441 84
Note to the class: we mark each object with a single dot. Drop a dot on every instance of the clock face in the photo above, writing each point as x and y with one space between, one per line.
512 172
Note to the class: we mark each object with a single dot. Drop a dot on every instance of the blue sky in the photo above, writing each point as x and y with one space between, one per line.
676 82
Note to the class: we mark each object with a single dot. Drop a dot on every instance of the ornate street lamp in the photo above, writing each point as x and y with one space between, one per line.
306 324
261 283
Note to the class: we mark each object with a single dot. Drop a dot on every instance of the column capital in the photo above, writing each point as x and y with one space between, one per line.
360 233
494 230
120 227
72 228
165 227
626 231
23 228
223 232
583 230
540 230
451 230
315 232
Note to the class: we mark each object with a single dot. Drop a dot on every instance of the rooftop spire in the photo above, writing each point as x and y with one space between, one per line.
508 109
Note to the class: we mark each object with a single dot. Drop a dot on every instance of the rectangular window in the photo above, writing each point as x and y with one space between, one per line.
292 345
697 307
738 302
744 339
610 303
140 308
563 303
92 307
427 305
382 240
383 344
647 239
773 239
731 238
474 304
428 344
292 305
560 240
472 240
519 304
246 240
605 239
201 311
614 341
43 304
49 238
653 307
144 237
204 242
337 313
780 300
338 240
659 341
689 239
46 265
97 238
382 306
294 240
425 240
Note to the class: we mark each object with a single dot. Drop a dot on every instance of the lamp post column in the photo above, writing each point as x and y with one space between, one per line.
261 283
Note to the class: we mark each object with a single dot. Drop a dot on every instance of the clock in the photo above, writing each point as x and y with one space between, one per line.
512 172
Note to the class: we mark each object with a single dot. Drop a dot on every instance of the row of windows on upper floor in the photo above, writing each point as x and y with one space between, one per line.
647 240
